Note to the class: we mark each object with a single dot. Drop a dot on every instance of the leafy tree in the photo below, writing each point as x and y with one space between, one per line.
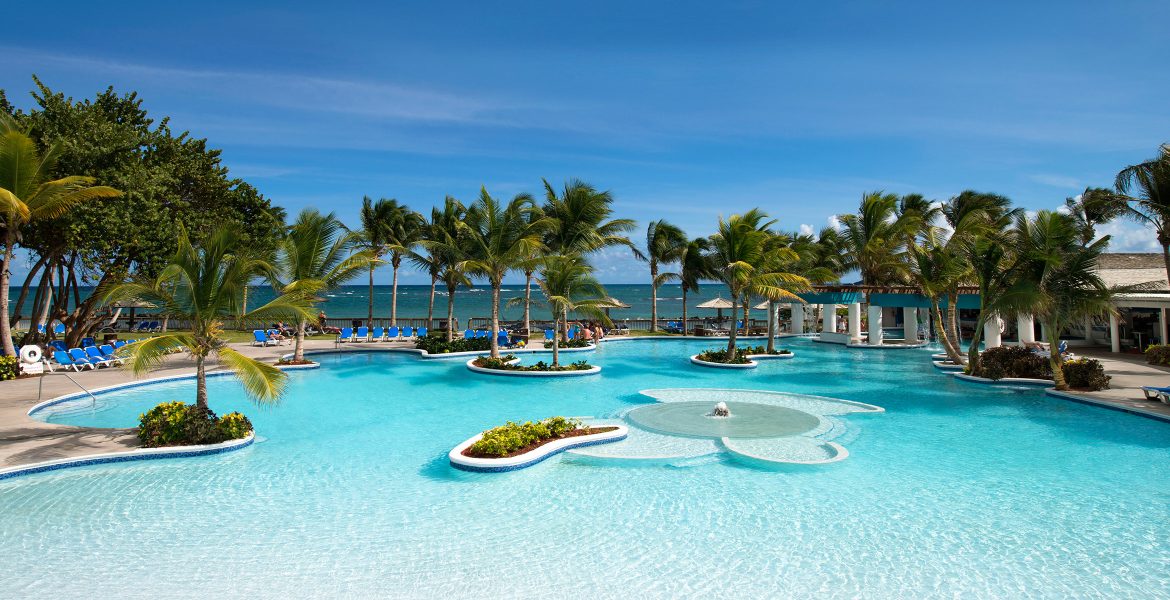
694 267
1093 207
316 257
447 245
568 284
665 244
30 192
374 237
500 237
204 286
874 239
1146 188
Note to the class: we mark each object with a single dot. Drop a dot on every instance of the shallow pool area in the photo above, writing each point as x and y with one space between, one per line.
956 489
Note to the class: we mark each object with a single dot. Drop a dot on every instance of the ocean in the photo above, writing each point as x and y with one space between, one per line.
351 301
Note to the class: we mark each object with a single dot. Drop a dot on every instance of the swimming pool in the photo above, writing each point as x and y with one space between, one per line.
957 489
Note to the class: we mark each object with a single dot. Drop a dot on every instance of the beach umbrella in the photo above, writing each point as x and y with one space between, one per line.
718 304
612 302
133 304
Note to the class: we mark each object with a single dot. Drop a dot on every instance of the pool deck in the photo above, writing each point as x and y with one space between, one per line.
24 440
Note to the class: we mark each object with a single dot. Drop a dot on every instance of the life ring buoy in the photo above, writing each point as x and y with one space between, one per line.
30 354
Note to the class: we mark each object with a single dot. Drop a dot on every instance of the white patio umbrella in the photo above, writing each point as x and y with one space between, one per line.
718 304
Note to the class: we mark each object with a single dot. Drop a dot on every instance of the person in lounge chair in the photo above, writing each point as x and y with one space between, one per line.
325 328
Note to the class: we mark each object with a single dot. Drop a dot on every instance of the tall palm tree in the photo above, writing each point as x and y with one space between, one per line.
500 238
581 220
693 268
28 194
1146 188
568 284
429 261
1063 278
204 286
446 243
404 231
874 239
739 257
316 257
1093 207
937 270
375 236
774 281
665 244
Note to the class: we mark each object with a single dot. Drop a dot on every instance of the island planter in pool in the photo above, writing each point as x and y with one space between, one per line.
750 364
537 454
471 366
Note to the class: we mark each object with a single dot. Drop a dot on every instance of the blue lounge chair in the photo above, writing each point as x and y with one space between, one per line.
480 333
468 334
378 334
407 332
110 354
260 337
64 360
41 328
57 345
96 357
346 335
422 332
549 334
1157 393
87 342
59 329
363 333
502 338
392 333
119 344
78 355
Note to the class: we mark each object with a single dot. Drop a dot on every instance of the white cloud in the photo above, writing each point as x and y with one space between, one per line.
834 222
806 229
1128 236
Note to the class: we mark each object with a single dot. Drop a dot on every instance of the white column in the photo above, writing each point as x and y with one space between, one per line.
1026 328
875 325
855 323
910 324
992 336
1114 334
829 318
1162 325
797 318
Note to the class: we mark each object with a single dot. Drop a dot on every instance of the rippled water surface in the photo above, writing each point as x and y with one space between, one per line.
956 490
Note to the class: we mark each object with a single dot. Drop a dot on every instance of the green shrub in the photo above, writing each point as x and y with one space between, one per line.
234 426
501 364
1086 374
1014 362
512 436
180 424
439 345
9 367
1158 355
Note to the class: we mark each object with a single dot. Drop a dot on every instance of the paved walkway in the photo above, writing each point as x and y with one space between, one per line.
24 440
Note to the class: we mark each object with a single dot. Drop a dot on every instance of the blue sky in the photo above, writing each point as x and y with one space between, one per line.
684 110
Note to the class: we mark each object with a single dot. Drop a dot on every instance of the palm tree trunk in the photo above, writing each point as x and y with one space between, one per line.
5 276
527 301
431 303
556 342
495 337
299 351
771 327
450 312
952 352
370 300
953 321
1054 357
1165 251
653 296
684 300
973 367
243 311
731 337
200 382
394 295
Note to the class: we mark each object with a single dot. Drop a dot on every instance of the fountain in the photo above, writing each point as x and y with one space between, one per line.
721 410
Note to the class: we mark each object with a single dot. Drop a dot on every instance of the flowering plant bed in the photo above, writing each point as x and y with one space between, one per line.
514 439
509 363
742 355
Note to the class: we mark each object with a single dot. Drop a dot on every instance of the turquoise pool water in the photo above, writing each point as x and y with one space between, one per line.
957 490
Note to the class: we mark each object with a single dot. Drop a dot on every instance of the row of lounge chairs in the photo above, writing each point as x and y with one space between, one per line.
88 357
380 334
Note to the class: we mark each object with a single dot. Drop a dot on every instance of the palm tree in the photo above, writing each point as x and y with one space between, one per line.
315 257
568 284
694 266
375 219
404 231
446 243
970 215
739 257
874 239
665 244
428 261
1146 188
1062 271
204 286
500 238
773 280
581 220
27 194
1093 207
937 271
